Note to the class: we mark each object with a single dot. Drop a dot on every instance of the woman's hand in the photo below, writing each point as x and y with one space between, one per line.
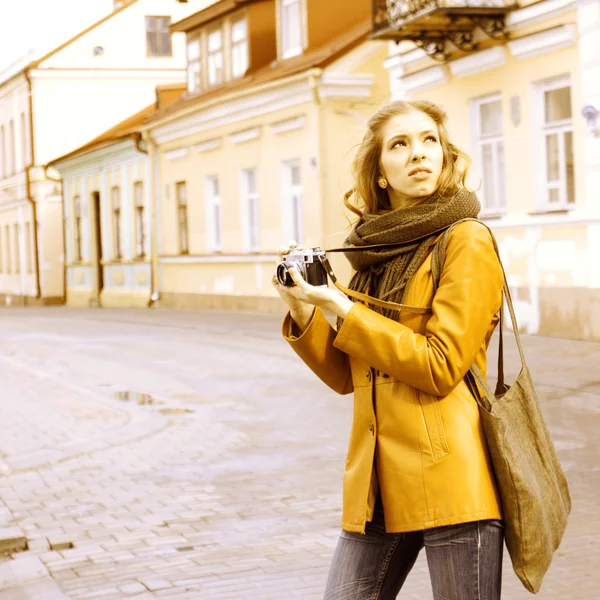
303 297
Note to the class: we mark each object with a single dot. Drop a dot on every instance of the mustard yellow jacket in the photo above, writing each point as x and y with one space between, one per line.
416 434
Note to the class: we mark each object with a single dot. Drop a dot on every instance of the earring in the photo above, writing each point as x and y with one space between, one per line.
382 183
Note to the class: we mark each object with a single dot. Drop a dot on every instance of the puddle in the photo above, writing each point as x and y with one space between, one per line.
175 411
138 397
144 399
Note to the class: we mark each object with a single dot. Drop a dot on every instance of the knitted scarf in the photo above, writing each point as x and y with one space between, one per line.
385 272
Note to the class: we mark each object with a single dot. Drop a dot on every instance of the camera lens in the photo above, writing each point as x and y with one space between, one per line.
283 276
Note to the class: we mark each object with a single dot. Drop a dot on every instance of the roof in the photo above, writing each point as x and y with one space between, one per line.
35 63
317 58
130 127
210 13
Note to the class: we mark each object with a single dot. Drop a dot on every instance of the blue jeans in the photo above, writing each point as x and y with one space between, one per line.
465 561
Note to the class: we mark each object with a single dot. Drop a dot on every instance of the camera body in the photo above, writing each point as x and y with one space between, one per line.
307 263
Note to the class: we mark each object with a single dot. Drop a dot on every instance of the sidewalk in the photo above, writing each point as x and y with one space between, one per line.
198 458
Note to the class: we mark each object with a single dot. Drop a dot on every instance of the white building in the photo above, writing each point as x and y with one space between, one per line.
57 103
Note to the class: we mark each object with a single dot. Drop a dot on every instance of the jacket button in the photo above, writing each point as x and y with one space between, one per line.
372 429
369 376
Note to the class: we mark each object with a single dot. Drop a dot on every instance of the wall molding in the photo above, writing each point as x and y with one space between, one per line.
479 62
540 11
288 125
219 258
208 145
246 135
550 40
176 154
423 80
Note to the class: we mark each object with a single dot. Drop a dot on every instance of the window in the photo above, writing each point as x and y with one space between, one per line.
116 221
140 231
11 146
182 217
291 28
239 48
215 57
3 149
24 145
17 249
28 248
489 152
292 198
250 210
557 135
158 36
213 214
194 68
78 229
7 241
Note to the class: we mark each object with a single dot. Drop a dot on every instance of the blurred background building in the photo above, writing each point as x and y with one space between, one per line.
195 138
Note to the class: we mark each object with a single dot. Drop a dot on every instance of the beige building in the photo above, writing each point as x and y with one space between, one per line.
109 214
515 102
258 152
54 104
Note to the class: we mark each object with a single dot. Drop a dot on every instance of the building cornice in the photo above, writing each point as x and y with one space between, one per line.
167 75
479 62
550 40
111 155
541 11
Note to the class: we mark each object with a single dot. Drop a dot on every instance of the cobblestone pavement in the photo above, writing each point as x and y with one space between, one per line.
190 455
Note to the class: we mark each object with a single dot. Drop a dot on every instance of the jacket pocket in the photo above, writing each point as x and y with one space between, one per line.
430 407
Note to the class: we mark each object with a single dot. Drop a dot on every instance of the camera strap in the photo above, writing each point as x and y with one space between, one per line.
369 299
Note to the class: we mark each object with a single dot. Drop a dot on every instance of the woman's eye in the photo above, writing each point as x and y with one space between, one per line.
432 138
399 143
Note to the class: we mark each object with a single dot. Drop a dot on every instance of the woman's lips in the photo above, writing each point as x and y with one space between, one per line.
421 174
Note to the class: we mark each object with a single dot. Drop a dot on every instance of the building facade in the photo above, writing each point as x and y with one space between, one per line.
54 104
258 153
109 215
515 102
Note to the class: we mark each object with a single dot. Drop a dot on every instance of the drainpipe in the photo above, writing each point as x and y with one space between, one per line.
30 199
155 198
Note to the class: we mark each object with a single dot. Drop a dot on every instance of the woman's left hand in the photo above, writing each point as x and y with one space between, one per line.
323 297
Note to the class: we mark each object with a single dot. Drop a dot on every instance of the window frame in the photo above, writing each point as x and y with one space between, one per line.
250 209
77 229
116 225
28 249
182 217
199 62
12 147
17 234
158 33
214 214
3 153
293 202
139 208
290 52
240 44
498 204
8 249
209 55
543 131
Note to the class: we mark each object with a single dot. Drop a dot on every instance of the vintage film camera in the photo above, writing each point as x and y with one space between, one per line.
307 262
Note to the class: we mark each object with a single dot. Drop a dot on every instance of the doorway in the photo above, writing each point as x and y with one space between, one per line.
97 215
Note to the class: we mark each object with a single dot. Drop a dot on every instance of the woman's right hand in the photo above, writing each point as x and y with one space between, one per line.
300 311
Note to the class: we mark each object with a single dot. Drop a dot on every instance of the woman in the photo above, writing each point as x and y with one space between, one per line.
417 473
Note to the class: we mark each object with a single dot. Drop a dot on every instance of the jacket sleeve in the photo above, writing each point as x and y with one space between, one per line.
467 299
315 347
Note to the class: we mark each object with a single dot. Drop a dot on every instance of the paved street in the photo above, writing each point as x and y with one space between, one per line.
190 455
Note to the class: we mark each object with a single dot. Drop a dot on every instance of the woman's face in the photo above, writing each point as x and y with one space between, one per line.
411 157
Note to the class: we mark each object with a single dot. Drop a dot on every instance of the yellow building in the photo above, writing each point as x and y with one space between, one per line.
258 152
515 94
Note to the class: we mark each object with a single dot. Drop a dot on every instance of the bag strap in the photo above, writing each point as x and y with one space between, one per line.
437 263
369 299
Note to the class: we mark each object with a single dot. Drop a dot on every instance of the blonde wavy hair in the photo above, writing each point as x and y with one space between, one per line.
365 195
